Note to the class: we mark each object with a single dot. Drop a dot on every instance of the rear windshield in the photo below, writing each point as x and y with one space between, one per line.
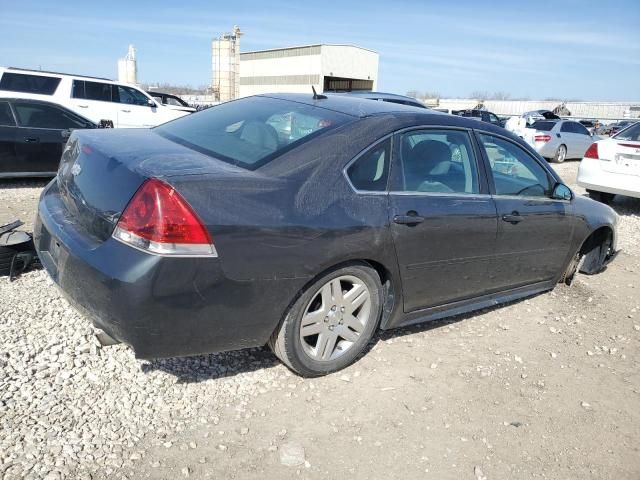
630 134
251 131
543 126
19 82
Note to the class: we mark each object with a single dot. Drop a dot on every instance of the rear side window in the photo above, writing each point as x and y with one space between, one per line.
438 161
6 117
370 171
630 134
252 131
34 115
568 127
91 90
19 82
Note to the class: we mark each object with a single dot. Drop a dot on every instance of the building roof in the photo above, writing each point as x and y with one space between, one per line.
310 46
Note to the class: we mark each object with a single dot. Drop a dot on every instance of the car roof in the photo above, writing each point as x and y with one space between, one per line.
43 102
355 106
26 71
375 95
406 116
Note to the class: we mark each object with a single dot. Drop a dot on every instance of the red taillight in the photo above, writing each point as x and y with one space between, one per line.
159 220
592 151
542 138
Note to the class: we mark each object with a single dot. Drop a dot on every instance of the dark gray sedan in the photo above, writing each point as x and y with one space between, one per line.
306 224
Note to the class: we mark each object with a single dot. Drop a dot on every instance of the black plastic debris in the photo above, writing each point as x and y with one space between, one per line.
17 252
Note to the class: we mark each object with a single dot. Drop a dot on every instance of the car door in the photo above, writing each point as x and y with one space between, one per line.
8 129
94 101
570 139
42 131
134 110
535 230
443 220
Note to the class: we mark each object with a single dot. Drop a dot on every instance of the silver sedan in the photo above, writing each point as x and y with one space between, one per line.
557 140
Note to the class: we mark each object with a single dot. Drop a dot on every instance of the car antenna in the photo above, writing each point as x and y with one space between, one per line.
316 96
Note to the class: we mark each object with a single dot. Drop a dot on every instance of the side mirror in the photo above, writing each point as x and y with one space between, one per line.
561 192
151 104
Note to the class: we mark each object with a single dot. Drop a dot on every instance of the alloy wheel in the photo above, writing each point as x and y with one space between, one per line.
335 318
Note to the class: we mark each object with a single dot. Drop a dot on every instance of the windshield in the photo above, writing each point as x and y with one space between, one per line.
631 134
251 131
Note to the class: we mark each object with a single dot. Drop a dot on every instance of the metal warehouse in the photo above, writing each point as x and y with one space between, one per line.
296 69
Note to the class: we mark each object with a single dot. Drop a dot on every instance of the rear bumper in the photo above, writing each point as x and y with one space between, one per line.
160 306
592 176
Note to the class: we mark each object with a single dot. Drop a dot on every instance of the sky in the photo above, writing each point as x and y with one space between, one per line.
563 49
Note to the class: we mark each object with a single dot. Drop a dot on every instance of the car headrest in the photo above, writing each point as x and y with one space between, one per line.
434 157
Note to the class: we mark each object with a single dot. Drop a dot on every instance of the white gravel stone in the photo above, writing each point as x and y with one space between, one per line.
292 454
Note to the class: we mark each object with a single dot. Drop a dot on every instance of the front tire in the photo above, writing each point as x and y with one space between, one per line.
602 197
561 154
331 323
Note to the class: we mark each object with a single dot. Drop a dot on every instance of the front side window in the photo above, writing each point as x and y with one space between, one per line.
438 161
130 96
6 117
20 82
370 171
33 115
252 131
514 171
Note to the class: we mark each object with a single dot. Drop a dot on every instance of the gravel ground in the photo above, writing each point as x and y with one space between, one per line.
543 388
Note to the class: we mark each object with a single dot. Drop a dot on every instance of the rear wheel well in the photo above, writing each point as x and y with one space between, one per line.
388 288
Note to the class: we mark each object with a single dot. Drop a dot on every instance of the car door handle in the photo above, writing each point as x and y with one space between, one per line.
127 111
31 140
83 106
514 218
411 218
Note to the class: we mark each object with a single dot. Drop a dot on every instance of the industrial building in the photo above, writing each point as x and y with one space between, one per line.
297 69
291 69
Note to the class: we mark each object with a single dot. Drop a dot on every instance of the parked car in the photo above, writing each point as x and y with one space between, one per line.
214 232
172 101
482 115
590 125
98 99
557 140
385 97
519 124
32 136
612 166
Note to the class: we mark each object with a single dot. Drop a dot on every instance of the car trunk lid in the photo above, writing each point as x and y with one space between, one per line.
101 170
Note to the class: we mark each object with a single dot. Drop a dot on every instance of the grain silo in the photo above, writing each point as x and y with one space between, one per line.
128 68
226 65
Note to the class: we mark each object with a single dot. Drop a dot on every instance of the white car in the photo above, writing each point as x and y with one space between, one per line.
98 99
612 166
518 125
557 140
